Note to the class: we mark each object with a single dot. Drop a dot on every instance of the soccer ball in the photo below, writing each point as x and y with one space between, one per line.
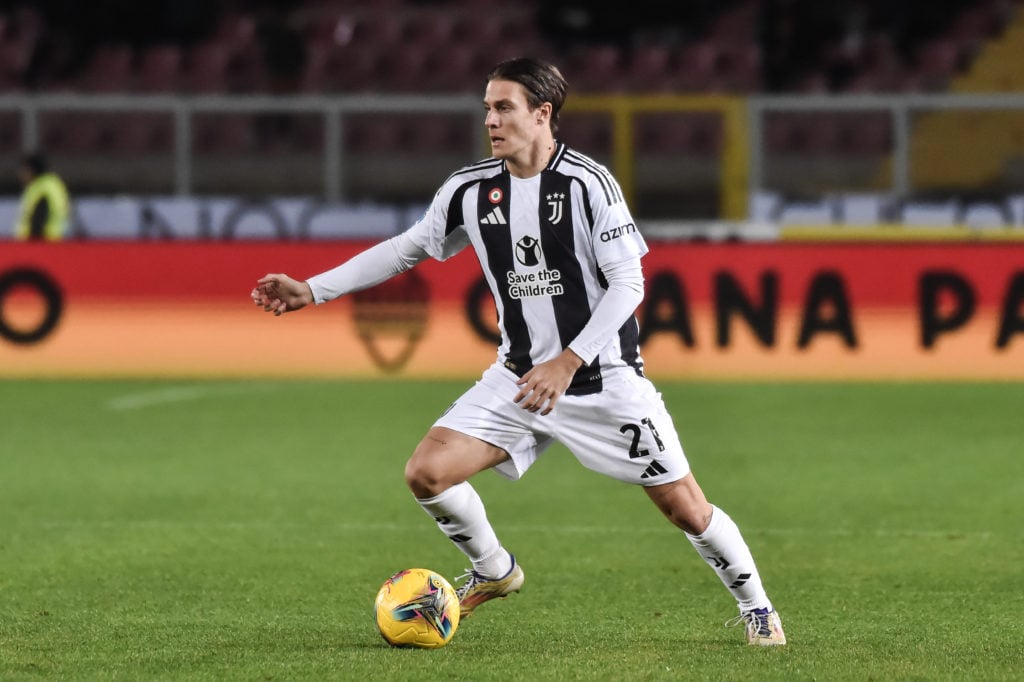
417 607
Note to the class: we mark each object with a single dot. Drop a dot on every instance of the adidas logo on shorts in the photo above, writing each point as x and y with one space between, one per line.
654 469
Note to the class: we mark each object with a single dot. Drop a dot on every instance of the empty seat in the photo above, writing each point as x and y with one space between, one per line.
866 134
236 31
378 30
679 133
476 28
402 70
696 68
373 134
649 68
140 133
109 70
13 59
160 69
343 69
453 69
737 68
430 30
589 133
206 69
222 133
73 134
595 68
936 62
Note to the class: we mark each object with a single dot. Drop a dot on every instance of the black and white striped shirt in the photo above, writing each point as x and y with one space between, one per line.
542 243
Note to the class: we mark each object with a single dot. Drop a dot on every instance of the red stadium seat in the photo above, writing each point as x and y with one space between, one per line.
936 63
160 69
649 69
476 28
13 60
866 134
141 133
73 134
453 69
697 64
373 134
595 68
402 69
236 31
738 67
109 70
348 68
430 30
378 30
206 69
590 133
222 133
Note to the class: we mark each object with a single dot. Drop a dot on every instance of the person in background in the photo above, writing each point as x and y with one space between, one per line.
45 204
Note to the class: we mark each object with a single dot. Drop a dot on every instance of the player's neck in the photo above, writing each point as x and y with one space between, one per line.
533 159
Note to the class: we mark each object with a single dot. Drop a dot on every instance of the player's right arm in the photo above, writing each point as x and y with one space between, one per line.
279 293
431 236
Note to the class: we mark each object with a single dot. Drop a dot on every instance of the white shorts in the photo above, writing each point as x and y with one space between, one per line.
623 432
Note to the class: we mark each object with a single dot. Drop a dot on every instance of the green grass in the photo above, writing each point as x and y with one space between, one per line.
240 530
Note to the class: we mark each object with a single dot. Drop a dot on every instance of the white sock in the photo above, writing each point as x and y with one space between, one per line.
460 514
722 546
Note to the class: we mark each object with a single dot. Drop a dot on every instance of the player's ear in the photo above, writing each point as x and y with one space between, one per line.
543 113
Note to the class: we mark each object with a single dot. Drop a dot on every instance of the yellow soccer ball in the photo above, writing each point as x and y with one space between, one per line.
417 607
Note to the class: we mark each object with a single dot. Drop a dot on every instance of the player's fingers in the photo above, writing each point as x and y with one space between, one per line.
524 391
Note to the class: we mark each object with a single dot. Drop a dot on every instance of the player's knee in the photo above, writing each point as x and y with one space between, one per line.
684 504
423 478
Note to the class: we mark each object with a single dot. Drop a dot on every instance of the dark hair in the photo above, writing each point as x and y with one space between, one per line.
36 162
543 83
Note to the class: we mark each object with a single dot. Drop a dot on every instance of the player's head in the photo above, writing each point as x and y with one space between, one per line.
32 166
541 81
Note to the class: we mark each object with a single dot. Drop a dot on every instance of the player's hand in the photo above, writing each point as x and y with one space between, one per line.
277 293
542 386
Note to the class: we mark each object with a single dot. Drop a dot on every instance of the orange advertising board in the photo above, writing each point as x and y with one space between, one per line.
734 310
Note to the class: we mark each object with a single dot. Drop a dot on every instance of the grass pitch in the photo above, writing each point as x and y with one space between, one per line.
240 530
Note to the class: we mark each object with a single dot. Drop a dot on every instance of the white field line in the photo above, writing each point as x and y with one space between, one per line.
176 394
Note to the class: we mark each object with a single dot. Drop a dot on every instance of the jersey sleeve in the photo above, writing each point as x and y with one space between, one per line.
615 235
439 230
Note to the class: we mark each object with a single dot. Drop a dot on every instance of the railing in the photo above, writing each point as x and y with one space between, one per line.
967 144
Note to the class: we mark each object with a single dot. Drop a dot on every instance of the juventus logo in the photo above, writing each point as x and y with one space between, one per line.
555 202
528 251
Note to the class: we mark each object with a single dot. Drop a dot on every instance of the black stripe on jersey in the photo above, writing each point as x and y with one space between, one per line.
556 157
455 217
497 239
571 307
612 191
629 342
629 335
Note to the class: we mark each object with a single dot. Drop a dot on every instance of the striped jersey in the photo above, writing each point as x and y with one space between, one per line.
541 243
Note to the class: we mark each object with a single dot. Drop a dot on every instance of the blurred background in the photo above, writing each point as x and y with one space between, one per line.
748 112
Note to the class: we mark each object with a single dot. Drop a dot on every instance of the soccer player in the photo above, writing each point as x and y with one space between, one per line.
561 254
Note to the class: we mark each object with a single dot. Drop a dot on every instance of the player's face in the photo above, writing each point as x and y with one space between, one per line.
513 127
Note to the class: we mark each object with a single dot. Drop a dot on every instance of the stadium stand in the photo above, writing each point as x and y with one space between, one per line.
444 46
729 46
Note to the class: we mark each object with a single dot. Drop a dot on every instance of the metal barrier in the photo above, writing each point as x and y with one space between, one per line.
697 157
